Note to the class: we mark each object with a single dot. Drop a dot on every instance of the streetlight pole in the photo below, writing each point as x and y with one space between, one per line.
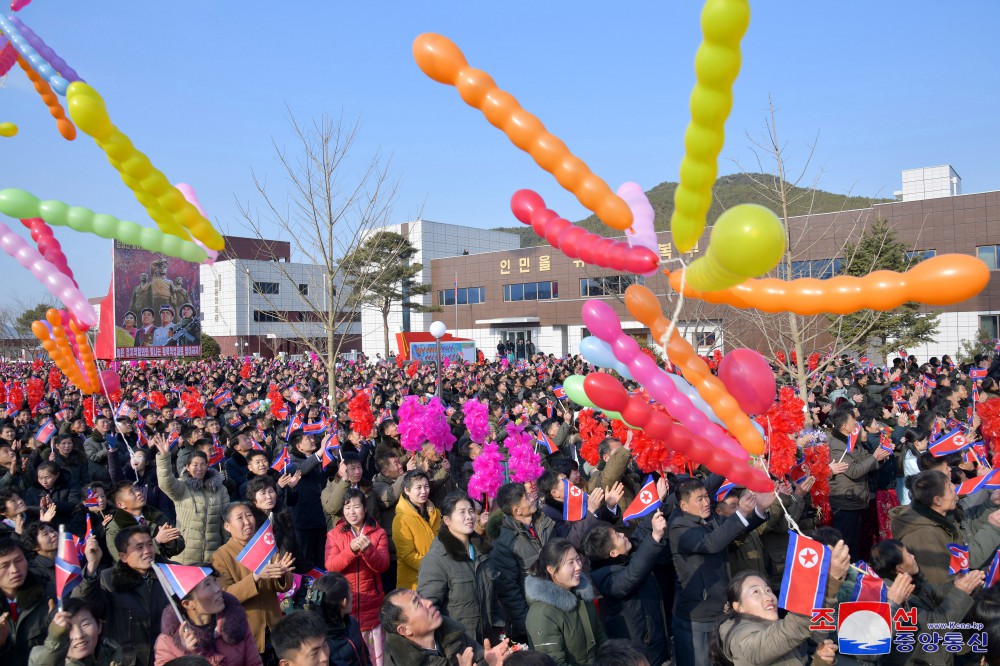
438 329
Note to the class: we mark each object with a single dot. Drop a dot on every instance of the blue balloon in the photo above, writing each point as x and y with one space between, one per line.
598 352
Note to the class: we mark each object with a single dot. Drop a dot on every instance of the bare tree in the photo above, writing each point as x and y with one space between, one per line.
326 213
794 335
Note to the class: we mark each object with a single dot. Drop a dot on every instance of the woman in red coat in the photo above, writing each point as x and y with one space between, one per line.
359 549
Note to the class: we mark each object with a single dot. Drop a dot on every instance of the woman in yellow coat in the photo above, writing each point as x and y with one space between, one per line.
257 593
413 529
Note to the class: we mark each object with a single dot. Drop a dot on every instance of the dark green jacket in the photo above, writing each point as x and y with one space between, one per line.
53 651
563 624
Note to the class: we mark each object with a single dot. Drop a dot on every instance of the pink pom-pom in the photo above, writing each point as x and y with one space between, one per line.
487 474
436 428
477 420
411 435
524 465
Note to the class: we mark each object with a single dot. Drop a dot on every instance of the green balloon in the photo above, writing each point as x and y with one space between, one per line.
18 203
573 385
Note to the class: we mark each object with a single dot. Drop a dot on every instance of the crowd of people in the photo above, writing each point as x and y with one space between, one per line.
385 557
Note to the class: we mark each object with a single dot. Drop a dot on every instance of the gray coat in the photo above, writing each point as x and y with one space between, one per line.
199 505
448 578
850 490
513 554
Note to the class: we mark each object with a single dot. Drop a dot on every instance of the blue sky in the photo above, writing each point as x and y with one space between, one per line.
202 88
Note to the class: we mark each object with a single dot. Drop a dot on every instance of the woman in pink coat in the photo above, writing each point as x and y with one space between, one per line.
215 627
359 549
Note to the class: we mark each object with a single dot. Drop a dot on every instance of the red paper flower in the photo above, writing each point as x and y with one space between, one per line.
592 432
989 429
36 392
193 402
157 399
412 369
818 459
781 423
359 411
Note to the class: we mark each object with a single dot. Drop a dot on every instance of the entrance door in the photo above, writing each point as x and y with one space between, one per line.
514 336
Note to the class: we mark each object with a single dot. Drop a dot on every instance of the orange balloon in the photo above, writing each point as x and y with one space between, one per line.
645 307
440 59
943 280
65 126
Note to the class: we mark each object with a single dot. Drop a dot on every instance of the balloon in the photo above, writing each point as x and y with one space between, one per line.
48 246
529 208
23 205
716 65
645 307
575 391
8 56
440 59
188 192
598 352
53 337
168 207
747 241
941 280
18 5
20 43
63 124
110 381
643 232
749 379
8 129
45 51
58 284
601 320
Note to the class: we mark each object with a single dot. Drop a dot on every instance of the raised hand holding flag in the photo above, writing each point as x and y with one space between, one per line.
68 571
646 501
807 567
259 550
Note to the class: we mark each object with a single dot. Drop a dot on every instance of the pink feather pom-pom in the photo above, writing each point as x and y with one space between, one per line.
487 474
477 420
436 428
411 432
523 464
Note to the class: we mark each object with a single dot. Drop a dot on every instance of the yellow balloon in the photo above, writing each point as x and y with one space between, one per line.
747 241
8 129
716 65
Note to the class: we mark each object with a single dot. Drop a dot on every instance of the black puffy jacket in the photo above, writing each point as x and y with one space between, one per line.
347 648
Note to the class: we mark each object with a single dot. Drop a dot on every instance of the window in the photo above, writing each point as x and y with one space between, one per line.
201 288
466 296
303 290
704 338
822 269
531 291
266 317
988 327
988 255
609 285
270 288
920 255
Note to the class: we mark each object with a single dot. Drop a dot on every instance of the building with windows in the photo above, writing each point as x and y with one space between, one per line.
256 301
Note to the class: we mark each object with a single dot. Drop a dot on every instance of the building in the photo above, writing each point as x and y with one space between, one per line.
255 300
536 293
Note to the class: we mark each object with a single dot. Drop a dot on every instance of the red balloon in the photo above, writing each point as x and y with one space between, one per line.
110 382
749 379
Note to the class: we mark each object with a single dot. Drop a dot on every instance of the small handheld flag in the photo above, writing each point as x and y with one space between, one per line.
218 455
959 563
315 574
547 442
293 425
993 573
574 502
45 431
977 373
68 571
81 544
646 501
852 439
280 463
868 586
328 451
953 442
91 501
259 550
807 567
726 488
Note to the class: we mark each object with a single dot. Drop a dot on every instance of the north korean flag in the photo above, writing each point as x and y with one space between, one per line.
222 396
45 432
559 392
646 501
181 578
259 550
977 373
386 413
547 442
235 421
218 455
799 473
865 365
280 463
255 405
953 442
959 563
807 566
329 453
317 428
283 412
929 383
314 574
852 439
574 502
91 501
868 586
68 572
81 544
124 410
885 441
173 438
993 573
550 410
724 490
293 425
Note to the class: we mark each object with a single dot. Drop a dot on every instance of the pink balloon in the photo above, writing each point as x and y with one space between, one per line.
18 5
48 245
188 192
58 284
602 321
749 379
110 381
643 232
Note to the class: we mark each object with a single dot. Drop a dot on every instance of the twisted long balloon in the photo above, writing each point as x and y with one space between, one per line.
942 280
443 61
45 51
64 125
38 63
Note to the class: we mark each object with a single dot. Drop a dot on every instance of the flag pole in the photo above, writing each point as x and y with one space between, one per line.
169 592
59 553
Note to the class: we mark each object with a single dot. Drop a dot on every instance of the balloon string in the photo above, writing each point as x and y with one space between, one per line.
672 324
107 394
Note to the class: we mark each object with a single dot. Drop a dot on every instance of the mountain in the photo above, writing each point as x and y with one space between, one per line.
729 191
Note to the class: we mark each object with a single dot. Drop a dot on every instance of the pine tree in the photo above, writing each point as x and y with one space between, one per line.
906 326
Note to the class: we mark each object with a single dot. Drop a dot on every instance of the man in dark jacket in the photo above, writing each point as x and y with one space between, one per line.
96 449
699 543
418 635
132 598
632 605
131 510
551 492
310 523
523 532
24 621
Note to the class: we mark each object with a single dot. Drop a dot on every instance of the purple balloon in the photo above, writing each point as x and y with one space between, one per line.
643 233
45 51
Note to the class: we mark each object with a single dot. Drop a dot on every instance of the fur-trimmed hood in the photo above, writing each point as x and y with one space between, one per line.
547 592
454 548
124 577
211 483
231 626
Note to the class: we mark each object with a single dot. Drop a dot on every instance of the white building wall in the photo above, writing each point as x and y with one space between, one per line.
931 183
433 240
953 329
